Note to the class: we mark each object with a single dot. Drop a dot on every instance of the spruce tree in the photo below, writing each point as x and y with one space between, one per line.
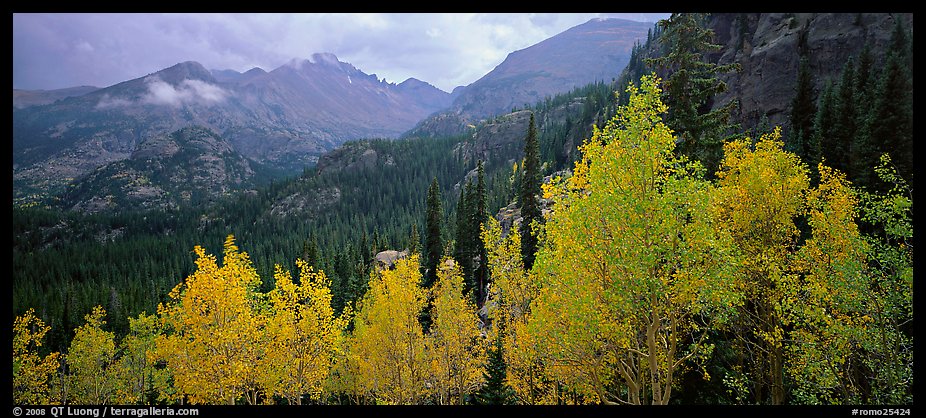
863 149
434 244
845 125
803 111
892 117
823 129
495 391
310 251
690 87
480 216
462 251
530 191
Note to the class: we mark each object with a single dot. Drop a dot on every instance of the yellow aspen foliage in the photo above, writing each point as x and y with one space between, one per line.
135 370
761 189
455 343
304 336
513 290
387 348
828 306
31 372
632 274
213 336
90 359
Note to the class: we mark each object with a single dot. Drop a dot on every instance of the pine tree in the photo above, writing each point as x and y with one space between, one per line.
310 251
845 125
823 127
480 215
530 191
414 240
434 244
495 391
892 118
864 150
691 85
803 111
462 250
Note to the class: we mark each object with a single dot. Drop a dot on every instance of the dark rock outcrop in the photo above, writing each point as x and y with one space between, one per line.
769 47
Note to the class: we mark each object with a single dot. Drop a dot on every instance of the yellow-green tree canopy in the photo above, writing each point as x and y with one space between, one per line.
212 334
387 348
31 372
632 270
455 343
304 335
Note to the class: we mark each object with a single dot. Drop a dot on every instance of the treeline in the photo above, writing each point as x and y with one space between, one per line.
650 284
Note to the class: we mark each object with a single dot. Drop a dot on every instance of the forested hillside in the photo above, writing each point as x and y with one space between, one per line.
663 253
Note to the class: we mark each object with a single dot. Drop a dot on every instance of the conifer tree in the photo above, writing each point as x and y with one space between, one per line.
845 123
823 126
462 250
434 244
495 391
864 150
530 191
480 215
690 86
892 116
803 111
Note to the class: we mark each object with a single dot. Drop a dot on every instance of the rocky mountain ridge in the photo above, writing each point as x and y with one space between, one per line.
286 117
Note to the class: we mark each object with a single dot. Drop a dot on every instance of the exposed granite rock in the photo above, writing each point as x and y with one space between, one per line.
302 204
386 259
769 49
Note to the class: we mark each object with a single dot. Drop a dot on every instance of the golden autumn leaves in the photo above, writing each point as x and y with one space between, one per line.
641 262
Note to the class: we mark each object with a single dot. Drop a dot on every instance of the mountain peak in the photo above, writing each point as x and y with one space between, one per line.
185 70
325 58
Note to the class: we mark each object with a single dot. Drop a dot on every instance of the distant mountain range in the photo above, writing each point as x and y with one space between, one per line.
597 50
286 118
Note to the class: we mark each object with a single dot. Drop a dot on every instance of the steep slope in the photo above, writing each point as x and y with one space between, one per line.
166 171
286 117
594 51
769 47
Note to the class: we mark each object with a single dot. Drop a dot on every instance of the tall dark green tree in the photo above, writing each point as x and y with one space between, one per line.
690 86
845 125
496 390
480 213
803 111
463 244
864 150
823 125
529 194
892 116
434 244
310 251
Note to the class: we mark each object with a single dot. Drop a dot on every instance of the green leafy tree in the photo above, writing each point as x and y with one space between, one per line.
632 272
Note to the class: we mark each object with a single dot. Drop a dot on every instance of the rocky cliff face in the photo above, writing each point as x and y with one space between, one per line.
769 47
187 166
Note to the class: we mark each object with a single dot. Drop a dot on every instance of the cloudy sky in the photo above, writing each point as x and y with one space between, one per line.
447 50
